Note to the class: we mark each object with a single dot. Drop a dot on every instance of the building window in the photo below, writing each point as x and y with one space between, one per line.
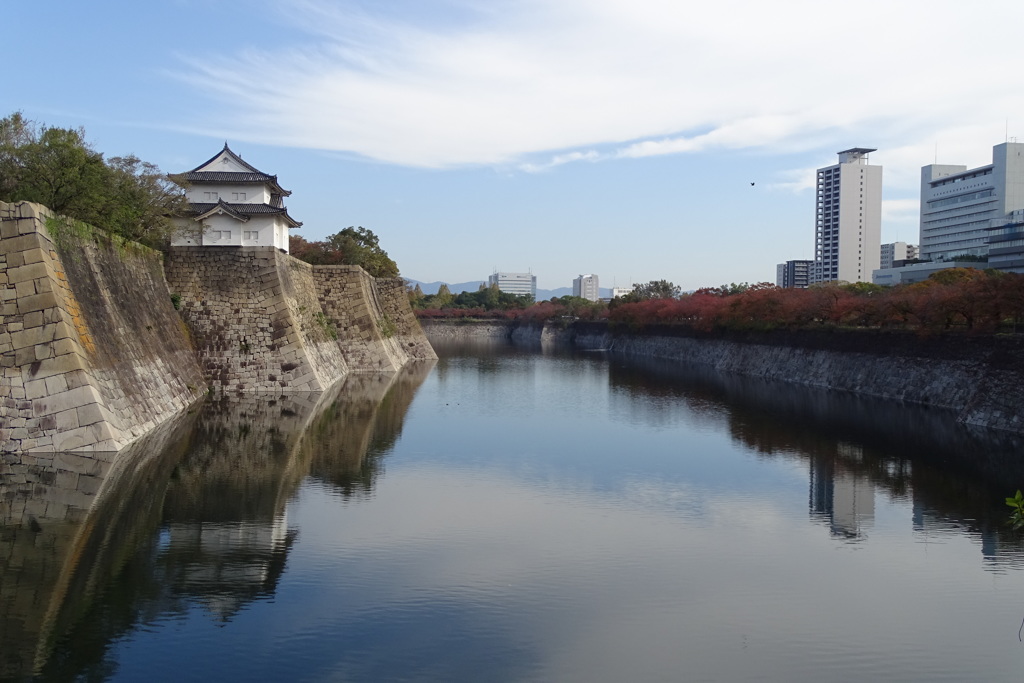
210 196
238 196
253 235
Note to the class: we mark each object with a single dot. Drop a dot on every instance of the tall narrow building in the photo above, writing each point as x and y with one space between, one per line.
586 286
848 219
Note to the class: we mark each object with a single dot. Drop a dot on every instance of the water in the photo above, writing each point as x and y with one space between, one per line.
523 515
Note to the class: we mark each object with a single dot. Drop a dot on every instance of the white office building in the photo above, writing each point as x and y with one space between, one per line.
896 251
621 291
232 204
586 286
515 283
848 220
960 206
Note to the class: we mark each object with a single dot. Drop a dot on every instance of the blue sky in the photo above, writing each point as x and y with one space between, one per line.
616 137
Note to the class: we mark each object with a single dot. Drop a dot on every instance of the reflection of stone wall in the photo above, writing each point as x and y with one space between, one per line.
92 353
65 522
359 425
256 320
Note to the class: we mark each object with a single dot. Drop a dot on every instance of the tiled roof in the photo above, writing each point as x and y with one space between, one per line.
253 176
226 177
240 211
234 156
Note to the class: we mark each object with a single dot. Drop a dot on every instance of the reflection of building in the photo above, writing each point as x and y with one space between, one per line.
848 219
521 284
235 205
844 499
585 286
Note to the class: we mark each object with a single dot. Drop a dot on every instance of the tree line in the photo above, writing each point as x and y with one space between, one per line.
58 168
965 299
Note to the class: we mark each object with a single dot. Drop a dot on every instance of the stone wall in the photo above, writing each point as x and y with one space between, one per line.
255 318
373 332
408 334
92 353
980 378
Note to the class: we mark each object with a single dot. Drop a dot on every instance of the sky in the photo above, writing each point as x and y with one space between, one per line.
634 139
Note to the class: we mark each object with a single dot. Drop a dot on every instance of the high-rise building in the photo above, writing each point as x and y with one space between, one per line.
515 283
585 286
848 220
793 274
963 210
896 251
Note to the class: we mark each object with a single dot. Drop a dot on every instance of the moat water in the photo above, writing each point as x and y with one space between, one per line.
512 514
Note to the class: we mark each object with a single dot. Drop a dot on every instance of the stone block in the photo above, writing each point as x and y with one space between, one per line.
67 400
67 420
56 366
21 243
27 273
37 302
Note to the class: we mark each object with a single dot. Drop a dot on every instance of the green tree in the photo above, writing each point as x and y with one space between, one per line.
56 167
655 289
361 247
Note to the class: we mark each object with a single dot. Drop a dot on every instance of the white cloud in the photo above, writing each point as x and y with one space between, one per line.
443 84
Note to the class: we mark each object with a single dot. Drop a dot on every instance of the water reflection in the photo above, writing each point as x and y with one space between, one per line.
192 517
955 476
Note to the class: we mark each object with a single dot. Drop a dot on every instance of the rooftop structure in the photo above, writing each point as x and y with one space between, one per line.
233 204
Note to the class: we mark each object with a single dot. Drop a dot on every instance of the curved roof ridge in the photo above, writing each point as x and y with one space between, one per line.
233 156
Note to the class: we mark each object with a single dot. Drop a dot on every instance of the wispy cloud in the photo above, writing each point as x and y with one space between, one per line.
465 82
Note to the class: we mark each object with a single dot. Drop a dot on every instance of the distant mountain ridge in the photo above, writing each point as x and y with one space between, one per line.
459 287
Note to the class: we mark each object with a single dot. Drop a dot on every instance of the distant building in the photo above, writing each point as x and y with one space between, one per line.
793 274
233 204
515 283
966 211
848 219
917 272
621 291
586 286
1006 243
896 251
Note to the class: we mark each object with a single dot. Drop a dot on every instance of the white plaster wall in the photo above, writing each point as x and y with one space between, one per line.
254 194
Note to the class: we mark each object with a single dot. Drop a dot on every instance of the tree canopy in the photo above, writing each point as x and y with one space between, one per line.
351 247
58 168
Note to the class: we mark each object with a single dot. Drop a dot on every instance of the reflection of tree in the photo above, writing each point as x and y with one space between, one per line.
197 519
954 472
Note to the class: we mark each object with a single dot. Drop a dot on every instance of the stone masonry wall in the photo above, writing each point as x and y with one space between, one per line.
92 353
981 378
408 334
352 302
255 319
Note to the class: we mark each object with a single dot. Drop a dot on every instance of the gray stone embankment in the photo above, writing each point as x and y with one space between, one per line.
93 355
980 378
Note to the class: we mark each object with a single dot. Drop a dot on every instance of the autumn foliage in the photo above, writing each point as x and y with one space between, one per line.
956 299
953 299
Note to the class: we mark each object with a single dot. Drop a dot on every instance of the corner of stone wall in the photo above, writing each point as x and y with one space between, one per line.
408 334
61 389
255 318
349 297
